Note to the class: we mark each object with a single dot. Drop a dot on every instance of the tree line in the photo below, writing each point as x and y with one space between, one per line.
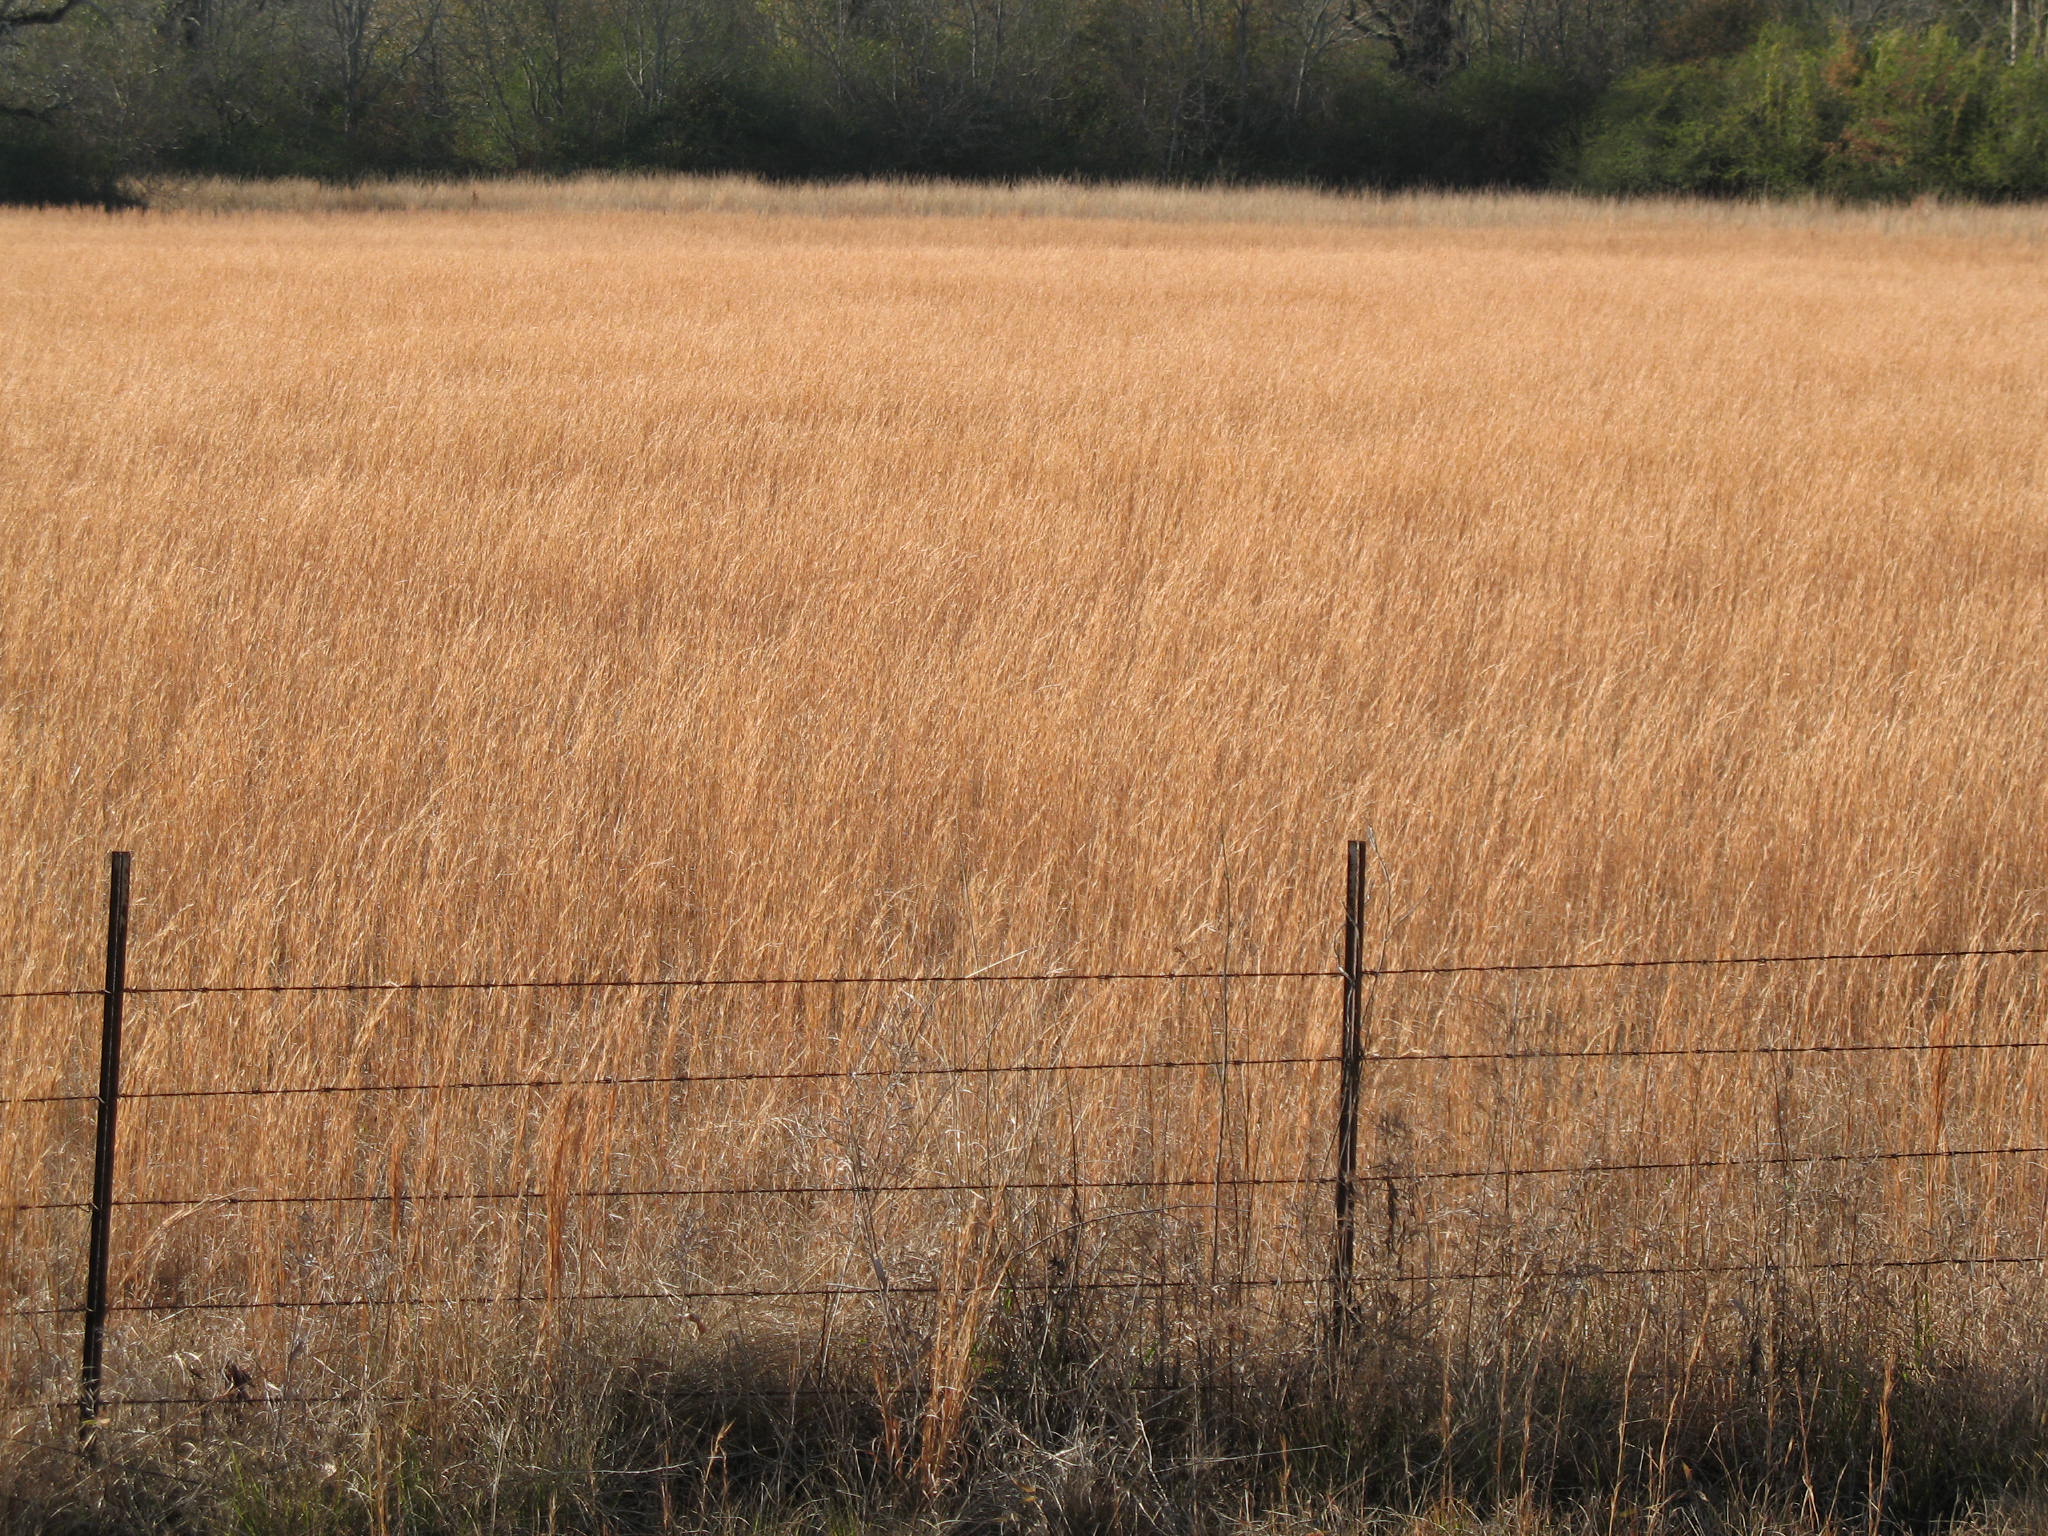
1856 97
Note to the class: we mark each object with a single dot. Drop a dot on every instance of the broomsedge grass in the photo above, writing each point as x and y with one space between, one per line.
615 192
648 579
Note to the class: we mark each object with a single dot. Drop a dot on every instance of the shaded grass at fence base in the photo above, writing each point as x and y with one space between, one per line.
1095 1421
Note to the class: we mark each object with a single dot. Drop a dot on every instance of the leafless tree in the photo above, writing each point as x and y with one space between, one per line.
1427 36
371 44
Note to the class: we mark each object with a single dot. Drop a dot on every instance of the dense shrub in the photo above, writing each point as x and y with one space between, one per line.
43 164
2009 155
1759 121
1911 112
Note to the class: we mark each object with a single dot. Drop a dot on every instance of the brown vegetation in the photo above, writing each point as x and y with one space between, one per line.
800 590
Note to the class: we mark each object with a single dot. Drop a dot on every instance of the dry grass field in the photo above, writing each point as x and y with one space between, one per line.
618 581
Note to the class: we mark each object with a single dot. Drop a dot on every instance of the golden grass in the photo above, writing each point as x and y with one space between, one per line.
786 582
595 192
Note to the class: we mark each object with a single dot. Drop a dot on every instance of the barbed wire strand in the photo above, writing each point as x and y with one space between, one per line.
642 983
1571 1273
1634 1052
658 1079
664 1192
997 1069
1819 958
1042 1186
605 983
756 1393
599 983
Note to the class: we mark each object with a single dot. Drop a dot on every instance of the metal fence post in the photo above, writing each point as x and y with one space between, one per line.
1350 1081
102 1207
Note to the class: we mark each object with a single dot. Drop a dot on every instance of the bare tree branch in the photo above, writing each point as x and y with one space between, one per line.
1426 35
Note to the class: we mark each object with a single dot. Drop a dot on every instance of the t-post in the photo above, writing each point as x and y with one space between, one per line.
1350 1080
109 1102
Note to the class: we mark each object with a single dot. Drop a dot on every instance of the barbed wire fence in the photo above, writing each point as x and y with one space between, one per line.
1335 1285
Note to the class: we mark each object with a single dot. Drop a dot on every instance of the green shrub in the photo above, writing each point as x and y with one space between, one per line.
1913 115
1756 122
2009 156
1912 112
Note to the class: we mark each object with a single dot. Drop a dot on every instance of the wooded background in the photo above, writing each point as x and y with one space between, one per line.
1856 97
